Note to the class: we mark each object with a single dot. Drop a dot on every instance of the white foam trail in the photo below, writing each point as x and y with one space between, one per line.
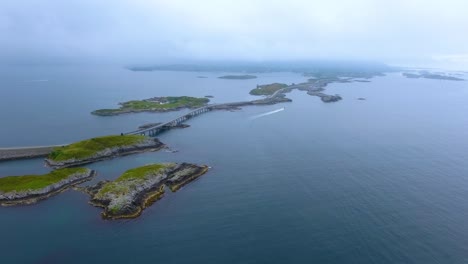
267 113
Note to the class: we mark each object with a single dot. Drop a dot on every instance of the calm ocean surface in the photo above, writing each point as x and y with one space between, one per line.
383 180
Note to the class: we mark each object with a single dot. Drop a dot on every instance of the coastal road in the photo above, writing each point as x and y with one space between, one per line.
14 153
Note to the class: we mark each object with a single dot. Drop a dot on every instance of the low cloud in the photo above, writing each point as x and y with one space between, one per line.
140 31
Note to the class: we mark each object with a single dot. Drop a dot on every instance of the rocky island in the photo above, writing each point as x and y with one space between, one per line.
148 125
314 87
138 188
29 189
100 148
327 98
238 77
429 75
268 89
155 104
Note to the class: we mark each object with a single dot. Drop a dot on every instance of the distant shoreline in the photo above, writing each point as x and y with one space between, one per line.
238 77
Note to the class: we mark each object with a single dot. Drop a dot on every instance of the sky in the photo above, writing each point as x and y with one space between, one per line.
399 32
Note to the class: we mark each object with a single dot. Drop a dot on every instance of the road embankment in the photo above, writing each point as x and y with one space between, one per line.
25 152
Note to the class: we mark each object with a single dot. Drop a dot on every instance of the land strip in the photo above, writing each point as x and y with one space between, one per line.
25 152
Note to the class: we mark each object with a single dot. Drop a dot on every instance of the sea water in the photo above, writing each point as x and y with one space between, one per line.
381 180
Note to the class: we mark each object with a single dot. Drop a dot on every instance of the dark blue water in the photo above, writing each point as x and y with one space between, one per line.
383 180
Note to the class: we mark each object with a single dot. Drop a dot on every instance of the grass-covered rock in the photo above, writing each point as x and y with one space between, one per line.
155 104
268 89
29 189
132 191
138 188
100 148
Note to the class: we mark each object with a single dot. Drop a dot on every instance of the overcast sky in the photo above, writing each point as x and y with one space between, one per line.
153 31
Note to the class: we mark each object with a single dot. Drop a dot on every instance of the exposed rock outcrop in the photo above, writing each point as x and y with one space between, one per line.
149 144
127 197
326 98
184 174
148 125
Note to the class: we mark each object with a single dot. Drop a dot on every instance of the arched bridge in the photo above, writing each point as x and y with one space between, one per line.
155 130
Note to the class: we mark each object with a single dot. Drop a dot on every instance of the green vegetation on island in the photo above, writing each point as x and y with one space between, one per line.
35 182
130 180
238 77
29 189
89 147
268 89
134 190
138 188
98 148
155 104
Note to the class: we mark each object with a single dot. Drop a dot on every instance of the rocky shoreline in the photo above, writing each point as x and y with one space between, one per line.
183 175
326 98
127 198
135 111
150 144
33 196
155 104
315 87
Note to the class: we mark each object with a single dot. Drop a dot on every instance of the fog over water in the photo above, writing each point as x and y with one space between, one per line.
400 32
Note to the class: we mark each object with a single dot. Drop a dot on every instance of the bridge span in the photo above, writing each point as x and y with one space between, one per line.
153 131
42 151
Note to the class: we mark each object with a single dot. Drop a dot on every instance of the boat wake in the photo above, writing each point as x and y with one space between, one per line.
267 113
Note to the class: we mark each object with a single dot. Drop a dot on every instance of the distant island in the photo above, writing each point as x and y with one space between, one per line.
155 104
268 89
314 87
428 75
316 67
29 189
100 148
138 188
238 77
